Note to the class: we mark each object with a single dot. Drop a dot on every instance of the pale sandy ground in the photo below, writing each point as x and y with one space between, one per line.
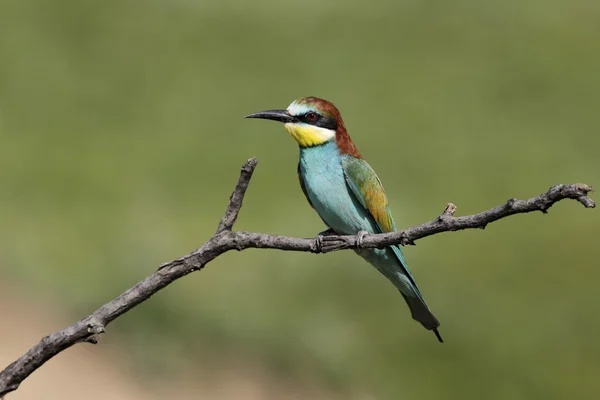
103 372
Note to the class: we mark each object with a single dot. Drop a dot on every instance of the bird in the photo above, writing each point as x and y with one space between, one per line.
346 192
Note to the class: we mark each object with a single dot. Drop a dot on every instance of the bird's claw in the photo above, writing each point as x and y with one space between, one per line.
359 238
327 232
319 244
321 239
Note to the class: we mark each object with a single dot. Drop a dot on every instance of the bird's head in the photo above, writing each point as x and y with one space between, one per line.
312 121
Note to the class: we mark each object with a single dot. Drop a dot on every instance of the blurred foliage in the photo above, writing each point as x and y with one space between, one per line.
121 139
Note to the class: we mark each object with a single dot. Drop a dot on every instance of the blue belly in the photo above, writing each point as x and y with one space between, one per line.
325 183
321 170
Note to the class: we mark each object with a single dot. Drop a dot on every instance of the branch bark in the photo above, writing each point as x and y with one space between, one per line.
88 329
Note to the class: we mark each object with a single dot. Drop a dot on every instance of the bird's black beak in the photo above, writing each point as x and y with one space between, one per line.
275 115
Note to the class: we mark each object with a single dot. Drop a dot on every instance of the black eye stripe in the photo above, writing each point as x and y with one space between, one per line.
320 121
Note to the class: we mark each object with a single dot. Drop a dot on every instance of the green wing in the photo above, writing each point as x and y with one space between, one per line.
367 188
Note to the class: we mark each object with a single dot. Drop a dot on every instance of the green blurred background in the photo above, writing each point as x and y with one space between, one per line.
121 138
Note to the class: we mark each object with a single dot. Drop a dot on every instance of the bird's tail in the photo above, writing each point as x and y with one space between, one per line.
392 265
421 313
418 308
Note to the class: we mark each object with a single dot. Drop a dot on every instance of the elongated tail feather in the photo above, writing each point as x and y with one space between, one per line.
418 308
420 312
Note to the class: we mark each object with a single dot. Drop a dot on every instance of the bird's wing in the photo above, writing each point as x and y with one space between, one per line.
303 186
367 188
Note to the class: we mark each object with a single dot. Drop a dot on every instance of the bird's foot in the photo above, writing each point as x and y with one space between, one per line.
322 240
359 238
327 232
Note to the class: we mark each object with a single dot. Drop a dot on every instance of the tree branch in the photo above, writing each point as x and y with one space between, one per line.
237 197
87 329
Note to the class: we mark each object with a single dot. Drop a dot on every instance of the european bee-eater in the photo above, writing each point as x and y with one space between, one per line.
345 191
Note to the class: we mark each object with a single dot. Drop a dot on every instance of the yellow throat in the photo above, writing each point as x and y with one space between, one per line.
309 135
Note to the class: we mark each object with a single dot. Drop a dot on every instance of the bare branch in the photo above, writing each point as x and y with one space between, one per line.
88 329
237 197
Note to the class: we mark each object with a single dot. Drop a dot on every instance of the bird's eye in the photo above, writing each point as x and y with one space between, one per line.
311 116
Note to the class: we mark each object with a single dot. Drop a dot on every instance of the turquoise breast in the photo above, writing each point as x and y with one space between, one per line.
325 183
321 170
